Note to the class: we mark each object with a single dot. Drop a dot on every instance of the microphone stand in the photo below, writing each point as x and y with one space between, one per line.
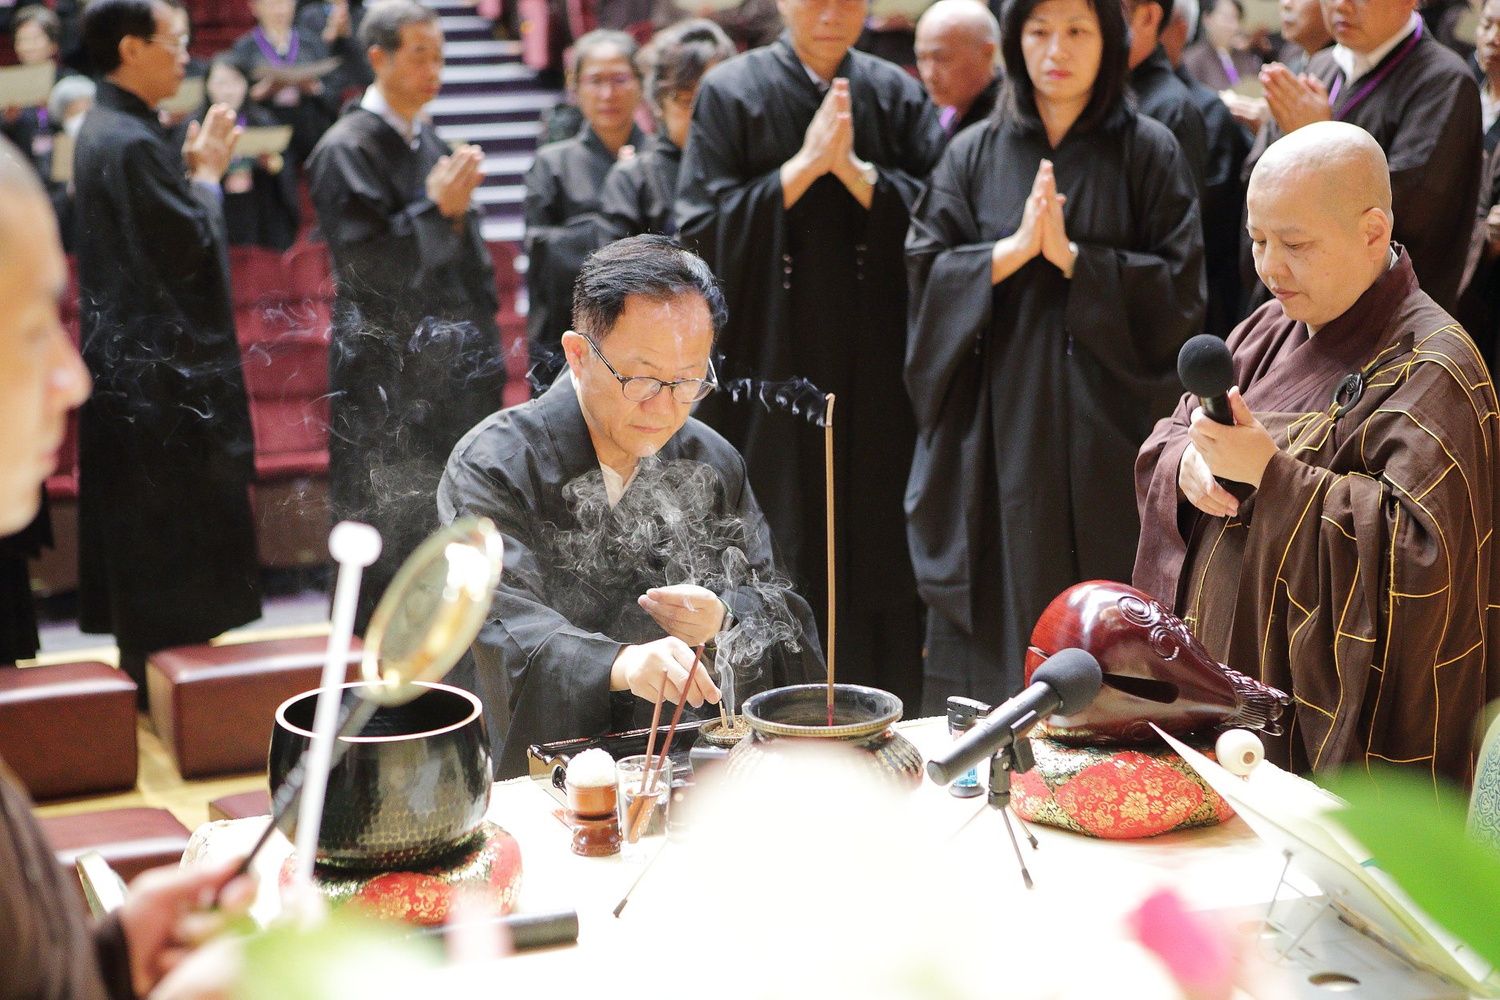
1015 757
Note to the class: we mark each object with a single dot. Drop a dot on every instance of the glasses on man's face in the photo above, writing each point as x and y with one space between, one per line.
172 43
598 81
641 388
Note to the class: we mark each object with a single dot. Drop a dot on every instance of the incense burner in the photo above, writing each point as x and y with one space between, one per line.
863 718
411 789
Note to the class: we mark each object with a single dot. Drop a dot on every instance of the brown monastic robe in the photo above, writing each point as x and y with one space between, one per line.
1362 575
47 949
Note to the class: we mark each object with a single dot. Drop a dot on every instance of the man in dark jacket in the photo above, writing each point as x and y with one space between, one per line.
167 547
416 353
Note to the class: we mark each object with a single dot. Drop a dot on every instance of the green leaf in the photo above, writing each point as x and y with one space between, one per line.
1417 834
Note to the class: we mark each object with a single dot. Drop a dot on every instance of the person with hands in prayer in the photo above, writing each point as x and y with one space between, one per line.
803 213
415 359
631 533
1387 74
1056 267
1337 541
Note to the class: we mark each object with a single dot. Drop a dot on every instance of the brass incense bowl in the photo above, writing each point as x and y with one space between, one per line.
863 718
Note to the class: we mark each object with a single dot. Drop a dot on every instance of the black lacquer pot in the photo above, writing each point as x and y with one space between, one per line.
412 787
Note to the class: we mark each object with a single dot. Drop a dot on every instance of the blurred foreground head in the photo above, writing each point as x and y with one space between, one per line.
41 375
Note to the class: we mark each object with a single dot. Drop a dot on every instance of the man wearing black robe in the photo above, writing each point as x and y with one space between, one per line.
1158 92
416 358
958 58
804 223
166 542
631 532
1389 76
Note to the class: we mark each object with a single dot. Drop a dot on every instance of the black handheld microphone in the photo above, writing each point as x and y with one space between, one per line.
1206 369
1066 683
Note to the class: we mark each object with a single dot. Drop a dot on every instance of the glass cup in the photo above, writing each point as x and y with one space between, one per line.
643 802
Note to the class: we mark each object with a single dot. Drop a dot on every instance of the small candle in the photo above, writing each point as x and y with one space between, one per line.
590 786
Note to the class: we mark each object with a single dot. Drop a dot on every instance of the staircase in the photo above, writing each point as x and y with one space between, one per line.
491 99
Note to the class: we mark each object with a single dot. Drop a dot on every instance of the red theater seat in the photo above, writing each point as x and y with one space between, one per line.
214 706
131 840
69 729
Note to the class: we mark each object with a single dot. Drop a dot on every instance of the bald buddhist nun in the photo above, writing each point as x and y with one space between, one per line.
1337 540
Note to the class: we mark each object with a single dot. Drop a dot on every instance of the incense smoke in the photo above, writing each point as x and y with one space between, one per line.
798 396
668 529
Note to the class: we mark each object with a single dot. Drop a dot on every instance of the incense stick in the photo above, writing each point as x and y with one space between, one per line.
832 563
723 717
637 810
661 695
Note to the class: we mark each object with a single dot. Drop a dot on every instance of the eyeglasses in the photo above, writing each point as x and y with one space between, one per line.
641 388
601 80
172 43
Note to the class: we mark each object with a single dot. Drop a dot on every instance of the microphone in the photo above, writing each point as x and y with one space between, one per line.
1206 369
1067 683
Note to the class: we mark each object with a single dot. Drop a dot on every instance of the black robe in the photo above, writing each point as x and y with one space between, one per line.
562 197
816 292
1033 395
1161 95
982 108
166 544
415 360
19 638
1425 115
638 193
312 114
1223 207
574 567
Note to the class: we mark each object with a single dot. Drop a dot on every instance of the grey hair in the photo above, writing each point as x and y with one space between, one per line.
66 91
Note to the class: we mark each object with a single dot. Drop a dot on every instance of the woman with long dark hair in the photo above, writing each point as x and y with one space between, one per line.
1056 265
638 192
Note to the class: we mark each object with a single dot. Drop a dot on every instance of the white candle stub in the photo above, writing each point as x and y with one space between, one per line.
1239 751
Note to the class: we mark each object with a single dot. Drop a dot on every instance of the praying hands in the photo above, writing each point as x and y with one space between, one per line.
1042 231
1294 100
828 148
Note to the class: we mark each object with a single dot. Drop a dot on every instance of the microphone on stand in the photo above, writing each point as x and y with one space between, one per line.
1206 369
1067 683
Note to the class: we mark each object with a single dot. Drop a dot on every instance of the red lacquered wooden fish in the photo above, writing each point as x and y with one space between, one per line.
1155 670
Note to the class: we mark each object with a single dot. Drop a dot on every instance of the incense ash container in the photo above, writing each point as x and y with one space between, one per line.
592 804
863 718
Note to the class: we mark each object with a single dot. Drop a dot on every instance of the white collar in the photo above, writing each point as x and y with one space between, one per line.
375 103
1356 65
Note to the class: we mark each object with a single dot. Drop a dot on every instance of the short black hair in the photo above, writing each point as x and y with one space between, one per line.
652 266
1108 96
43 18
383 22
1166 10
597 39
676 59
108 22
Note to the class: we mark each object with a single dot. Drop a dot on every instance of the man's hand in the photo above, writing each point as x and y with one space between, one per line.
643 671
170 912
338 22
261 89
1201 489
693 614
820 145
1239 453
1251 112
210 147
1294 100
452 180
